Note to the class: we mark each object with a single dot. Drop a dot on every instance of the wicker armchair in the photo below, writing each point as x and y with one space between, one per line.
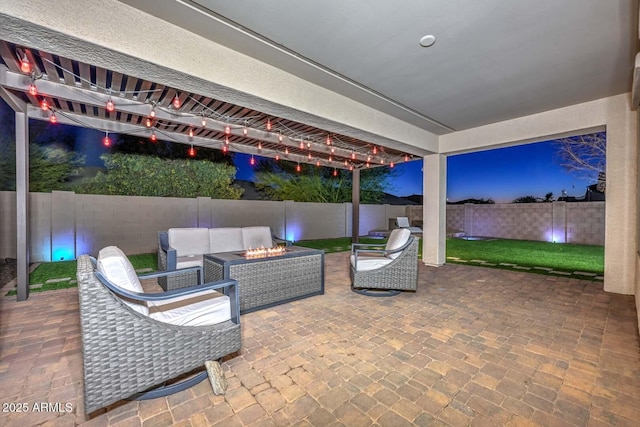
126 350
385 271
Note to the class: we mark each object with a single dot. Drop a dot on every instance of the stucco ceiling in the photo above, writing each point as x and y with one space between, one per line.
493 60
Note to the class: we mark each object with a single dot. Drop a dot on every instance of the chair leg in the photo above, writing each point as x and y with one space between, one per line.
375 292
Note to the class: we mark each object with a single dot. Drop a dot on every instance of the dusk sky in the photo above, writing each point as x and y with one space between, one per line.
500 174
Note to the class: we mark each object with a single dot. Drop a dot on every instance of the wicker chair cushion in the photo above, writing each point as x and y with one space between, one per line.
115 266
204 308
225 239
189 241
397 239
366 263
257 236
189 261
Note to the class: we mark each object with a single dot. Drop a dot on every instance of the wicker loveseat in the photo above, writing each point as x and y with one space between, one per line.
185 247
385 271
133 341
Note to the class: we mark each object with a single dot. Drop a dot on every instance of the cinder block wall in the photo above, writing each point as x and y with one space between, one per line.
585 222
455 218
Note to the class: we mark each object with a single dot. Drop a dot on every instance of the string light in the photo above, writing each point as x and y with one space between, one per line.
33 90
152 113
226 140
351 167
280 137
277 157
260 146
176 102
110 107
391 165
153 138
44 104
302 145
53 118
252 161
148 122
286 151
25 65
308 144
318 163
382 161
224 149
245 130
330 159
203 122
335 172
298 168
353 155
227 130
328 139
333 150
269 124
406 157
106 141
368 165
375 150
346 162
192 152
190 132
309 156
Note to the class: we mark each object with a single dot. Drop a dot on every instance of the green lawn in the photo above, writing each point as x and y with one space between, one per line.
562 257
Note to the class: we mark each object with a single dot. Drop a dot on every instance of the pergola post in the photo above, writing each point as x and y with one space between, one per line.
434 230
355 202
22 192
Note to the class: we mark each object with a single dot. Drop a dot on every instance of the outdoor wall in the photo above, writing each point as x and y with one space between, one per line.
559 222
64 225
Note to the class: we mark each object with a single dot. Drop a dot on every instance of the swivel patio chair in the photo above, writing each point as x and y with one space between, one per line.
385 271
403 222
134 341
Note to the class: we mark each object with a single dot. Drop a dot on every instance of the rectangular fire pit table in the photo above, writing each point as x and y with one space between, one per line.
270 280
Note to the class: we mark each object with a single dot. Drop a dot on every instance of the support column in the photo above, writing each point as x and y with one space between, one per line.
355 202
22 204
434 209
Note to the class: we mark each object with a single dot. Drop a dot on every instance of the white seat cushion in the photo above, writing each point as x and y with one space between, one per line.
366 263
203 308
225 239
402 221
115 266
189 261
189 241
397 239
256 237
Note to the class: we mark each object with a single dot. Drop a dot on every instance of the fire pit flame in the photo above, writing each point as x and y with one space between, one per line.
263 252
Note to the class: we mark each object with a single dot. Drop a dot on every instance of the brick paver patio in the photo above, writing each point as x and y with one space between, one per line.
473 346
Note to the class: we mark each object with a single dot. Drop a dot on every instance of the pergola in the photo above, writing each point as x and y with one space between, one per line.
44 86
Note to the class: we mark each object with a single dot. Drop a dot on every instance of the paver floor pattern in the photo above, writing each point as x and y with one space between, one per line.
473 346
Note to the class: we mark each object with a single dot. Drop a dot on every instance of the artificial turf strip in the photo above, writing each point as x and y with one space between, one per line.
559 256
62 269
341 244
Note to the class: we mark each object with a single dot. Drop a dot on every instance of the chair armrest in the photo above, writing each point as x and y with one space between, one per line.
356 246
285 241
171 253
168 273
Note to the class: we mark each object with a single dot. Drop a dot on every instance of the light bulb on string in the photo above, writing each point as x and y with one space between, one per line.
268 124
333 150
148 122
277 157
192 152
368 158
25 64
176 102
110 107
106 141
391 165
224 149
406 157
252 161
153 137
245 130
227 130
368 165
53 118
286 151
330 159
226 140
318 163
298 168
309 144
152 113
375 150
309 156
190 132
353 155
260 146
346 162
203 122
328 139
280 137
33 90
335 172
382 161
350 167
44 105
302 145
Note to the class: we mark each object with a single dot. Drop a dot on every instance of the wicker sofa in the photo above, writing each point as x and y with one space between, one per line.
185 247
133 341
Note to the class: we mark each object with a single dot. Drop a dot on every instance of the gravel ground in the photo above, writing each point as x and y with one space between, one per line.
7 270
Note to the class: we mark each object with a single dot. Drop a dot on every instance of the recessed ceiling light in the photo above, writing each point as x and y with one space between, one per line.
427 40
